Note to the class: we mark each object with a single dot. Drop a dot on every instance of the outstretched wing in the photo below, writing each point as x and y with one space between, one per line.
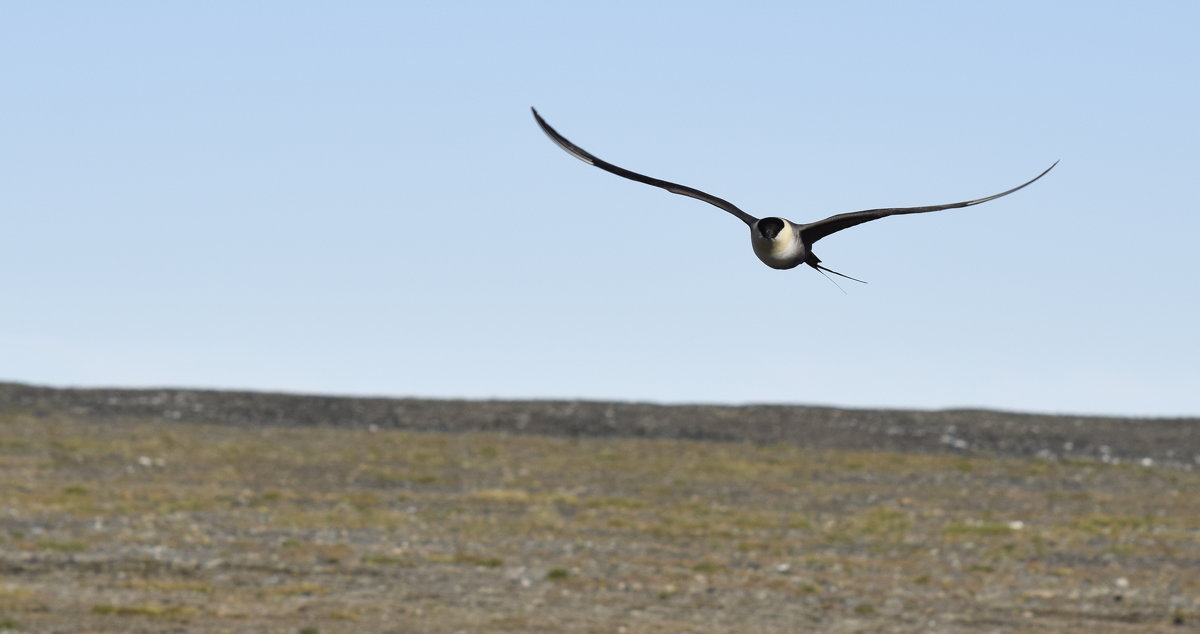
810 233
674 188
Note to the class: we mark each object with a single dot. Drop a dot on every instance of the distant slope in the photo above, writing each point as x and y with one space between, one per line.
1174 441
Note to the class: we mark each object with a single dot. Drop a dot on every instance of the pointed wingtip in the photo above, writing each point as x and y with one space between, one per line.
1044 172
541 122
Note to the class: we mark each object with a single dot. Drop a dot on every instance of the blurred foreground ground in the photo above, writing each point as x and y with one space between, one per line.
132 521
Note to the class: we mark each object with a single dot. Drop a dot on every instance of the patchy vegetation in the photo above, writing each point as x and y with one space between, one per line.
145 525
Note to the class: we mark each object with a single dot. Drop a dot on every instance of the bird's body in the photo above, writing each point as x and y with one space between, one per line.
778 242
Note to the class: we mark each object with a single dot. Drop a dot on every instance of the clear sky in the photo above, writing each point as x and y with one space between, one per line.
352 198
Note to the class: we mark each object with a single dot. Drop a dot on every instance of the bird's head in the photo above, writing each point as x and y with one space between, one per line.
770 228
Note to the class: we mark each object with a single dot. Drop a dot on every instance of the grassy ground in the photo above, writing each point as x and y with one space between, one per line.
146 526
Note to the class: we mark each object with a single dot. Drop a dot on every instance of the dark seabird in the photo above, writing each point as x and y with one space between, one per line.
778 242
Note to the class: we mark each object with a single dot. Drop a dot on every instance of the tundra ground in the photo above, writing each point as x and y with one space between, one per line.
153 525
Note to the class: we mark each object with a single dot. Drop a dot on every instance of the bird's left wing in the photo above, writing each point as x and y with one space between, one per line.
674 188
812 232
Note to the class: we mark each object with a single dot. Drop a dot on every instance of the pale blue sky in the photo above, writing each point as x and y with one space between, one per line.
352 198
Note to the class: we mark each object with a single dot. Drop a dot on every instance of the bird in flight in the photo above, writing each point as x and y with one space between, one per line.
778 242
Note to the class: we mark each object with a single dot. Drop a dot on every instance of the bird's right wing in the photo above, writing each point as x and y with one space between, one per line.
821 228
674 188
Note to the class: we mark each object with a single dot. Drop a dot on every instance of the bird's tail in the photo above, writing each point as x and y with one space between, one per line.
815 262
823 269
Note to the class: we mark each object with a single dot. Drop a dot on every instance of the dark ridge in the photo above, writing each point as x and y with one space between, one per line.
1137 440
